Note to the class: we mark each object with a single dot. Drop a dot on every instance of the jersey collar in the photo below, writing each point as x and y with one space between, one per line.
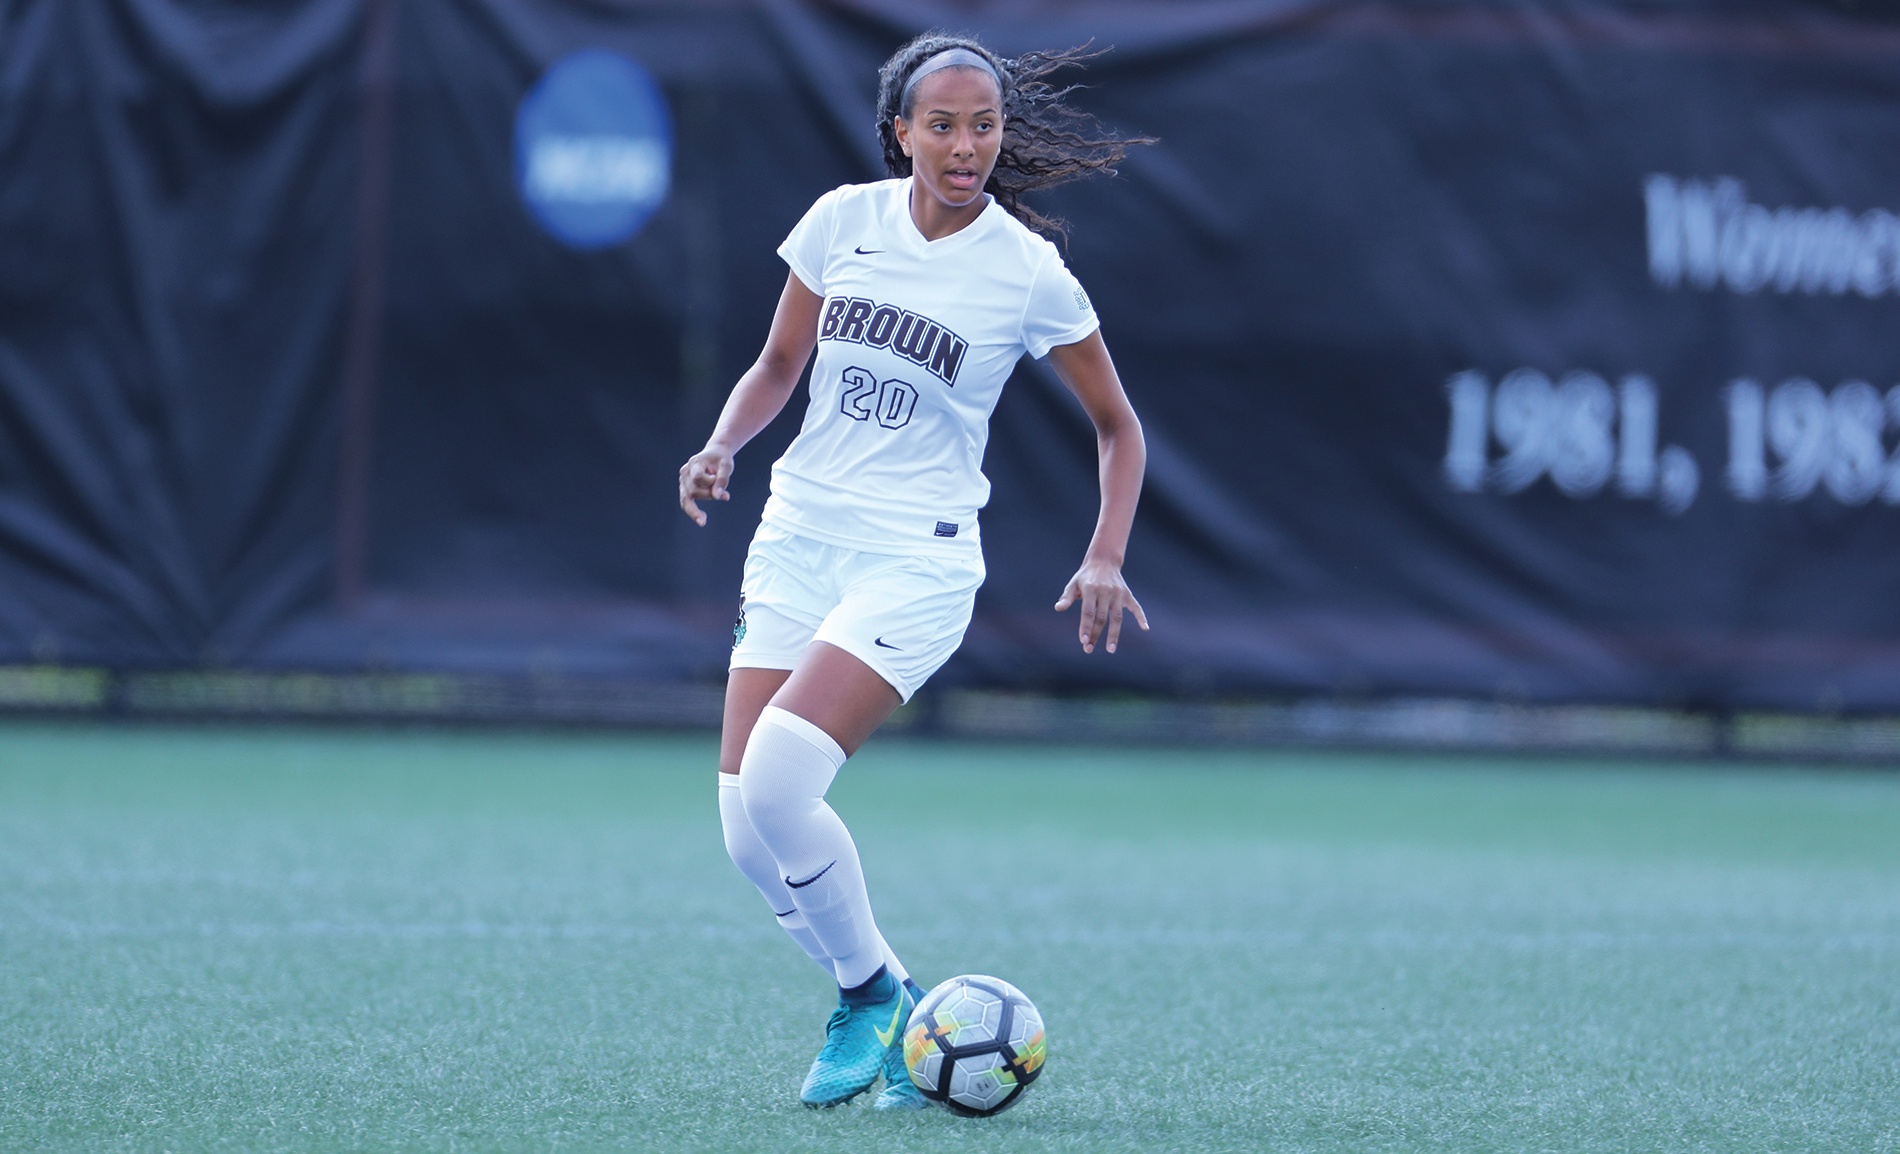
907 228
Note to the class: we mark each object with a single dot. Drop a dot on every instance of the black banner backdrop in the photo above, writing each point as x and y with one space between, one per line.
1534 350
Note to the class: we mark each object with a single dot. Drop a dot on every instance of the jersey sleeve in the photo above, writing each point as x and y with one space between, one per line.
808 247
1058 312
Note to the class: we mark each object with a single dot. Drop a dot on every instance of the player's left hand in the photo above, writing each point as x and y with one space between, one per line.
1103 595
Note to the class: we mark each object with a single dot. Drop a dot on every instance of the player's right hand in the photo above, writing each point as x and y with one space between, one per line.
703 478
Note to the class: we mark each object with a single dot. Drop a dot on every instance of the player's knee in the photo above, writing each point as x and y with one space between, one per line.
742 841
771 797
747 851
787 767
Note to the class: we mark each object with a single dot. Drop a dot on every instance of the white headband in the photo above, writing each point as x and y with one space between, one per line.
948 58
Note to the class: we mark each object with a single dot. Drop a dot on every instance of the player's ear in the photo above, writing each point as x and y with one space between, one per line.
902 131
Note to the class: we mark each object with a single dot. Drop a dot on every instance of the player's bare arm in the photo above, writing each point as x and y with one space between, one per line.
1086 368
758 397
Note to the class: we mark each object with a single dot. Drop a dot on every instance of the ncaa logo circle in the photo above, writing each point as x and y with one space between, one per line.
593 149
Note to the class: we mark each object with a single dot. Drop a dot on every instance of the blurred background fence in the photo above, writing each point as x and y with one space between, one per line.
1514 373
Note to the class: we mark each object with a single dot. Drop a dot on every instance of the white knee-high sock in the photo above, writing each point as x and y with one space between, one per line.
890 960
788 765
756 863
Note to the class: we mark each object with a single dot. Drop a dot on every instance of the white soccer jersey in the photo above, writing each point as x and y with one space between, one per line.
914 344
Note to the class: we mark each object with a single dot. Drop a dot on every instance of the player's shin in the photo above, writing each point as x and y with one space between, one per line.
756 863
788 766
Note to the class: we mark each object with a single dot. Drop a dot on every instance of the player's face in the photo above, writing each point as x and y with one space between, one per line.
953 134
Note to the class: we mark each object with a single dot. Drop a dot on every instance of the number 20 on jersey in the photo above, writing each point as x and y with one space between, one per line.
891 402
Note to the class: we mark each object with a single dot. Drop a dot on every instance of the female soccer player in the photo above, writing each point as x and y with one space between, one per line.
920 294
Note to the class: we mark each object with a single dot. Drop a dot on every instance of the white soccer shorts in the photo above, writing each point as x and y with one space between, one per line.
902 616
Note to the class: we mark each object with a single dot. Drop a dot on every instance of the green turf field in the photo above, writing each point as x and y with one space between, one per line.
260 940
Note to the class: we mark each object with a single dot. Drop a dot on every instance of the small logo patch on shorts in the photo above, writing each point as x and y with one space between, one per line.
946 528
738 627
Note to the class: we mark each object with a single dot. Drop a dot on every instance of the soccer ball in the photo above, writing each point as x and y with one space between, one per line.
974 1044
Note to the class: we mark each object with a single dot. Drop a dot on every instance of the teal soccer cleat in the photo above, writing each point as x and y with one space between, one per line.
859 1040
899 1093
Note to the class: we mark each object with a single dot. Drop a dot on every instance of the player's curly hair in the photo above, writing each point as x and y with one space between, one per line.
1045 141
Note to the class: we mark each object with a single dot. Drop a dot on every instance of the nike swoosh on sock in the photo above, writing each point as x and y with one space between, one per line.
811 879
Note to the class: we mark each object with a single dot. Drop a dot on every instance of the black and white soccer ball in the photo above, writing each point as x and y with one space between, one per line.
975 1044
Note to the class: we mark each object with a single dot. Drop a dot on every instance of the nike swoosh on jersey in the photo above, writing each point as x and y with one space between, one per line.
862 251
883 644
884 1036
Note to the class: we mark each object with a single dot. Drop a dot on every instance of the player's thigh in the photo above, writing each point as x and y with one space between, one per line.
784 597
839 694
768 643
748 692
904 616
